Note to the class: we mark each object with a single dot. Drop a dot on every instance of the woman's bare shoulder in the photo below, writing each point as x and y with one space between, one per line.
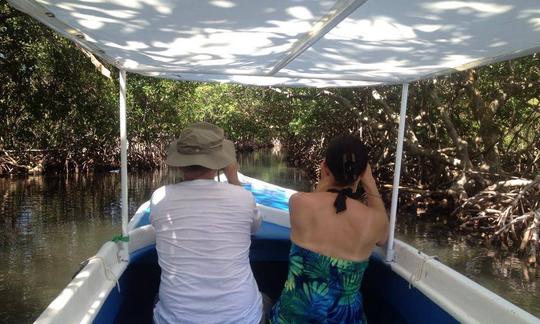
304 201
371 218
305 197
296 201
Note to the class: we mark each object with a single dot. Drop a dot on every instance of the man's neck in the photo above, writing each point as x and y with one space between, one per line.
210 175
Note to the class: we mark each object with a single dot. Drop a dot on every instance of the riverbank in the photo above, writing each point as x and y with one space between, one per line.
141 157
504 214
498 210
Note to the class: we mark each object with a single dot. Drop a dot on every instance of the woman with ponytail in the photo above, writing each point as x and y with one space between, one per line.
332 236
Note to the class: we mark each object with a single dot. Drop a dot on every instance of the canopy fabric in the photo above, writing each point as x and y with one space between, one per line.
314 43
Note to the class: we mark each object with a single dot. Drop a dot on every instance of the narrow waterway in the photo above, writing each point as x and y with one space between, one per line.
48 225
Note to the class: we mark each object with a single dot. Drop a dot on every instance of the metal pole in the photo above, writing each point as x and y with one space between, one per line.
123 153
397 173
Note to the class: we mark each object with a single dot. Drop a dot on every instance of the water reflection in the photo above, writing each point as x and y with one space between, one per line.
50 224
504 274
270 166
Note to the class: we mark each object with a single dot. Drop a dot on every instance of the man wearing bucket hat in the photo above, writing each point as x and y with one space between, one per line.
203 234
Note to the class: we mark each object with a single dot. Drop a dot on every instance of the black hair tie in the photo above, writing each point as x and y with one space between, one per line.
349 167
339 203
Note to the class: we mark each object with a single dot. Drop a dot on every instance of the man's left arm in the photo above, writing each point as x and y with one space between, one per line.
231 173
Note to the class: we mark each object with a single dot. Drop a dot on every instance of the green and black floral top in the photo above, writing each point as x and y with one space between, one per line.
320 289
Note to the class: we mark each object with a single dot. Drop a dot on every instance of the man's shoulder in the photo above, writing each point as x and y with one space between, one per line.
235 189
158 194
161 192
164 188
225 189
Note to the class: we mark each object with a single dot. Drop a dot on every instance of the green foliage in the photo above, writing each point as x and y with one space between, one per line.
52 98
55 103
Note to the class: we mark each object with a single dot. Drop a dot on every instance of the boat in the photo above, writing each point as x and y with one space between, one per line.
414 288
299 43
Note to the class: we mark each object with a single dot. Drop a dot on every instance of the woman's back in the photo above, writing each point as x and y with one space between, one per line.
332 236
350 234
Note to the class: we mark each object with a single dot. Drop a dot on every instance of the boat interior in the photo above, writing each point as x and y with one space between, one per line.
383 299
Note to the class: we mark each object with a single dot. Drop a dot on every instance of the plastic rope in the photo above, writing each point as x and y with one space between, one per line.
108 272
417 275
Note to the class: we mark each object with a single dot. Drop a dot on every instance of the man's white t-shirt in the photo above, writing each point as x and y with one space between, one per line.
203 237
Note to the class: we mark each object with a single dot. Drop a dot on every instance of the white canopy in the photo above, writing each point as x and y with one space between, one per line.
296 42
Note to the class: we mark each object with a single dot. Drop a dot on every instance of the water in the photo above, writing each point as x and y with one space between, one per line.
269 166
50 224
503 273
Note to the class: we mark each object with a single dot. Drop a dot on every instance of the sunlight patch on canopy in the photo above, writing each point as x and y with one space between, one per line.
295 43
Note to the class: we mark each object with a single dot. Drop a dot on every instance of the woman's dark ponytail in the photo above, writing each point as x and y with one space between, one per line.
346 157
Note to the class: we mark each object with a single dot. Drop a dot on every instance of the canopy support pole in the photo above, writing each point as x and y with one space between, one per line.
341 10
123 160
397 172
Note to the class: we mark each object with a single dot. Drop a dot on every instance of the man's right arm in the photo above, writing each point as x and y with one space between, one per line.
157 196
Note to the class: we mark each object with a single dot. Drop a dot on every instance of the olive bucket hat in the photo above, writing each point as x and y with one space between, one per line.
201 144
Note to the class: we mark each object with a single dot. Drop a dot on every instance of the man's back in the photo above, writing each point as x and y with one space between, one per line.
202 238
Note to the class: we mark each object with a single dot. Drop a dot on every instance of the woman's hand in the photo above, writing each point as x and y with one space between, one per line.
367 177
368 183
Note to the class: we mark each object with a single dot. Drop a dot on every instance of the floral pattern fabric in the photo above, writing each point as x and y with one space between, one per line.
320 289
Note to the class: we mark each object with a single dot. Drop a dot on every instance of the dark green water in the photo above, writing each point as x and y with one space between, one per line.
48 225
